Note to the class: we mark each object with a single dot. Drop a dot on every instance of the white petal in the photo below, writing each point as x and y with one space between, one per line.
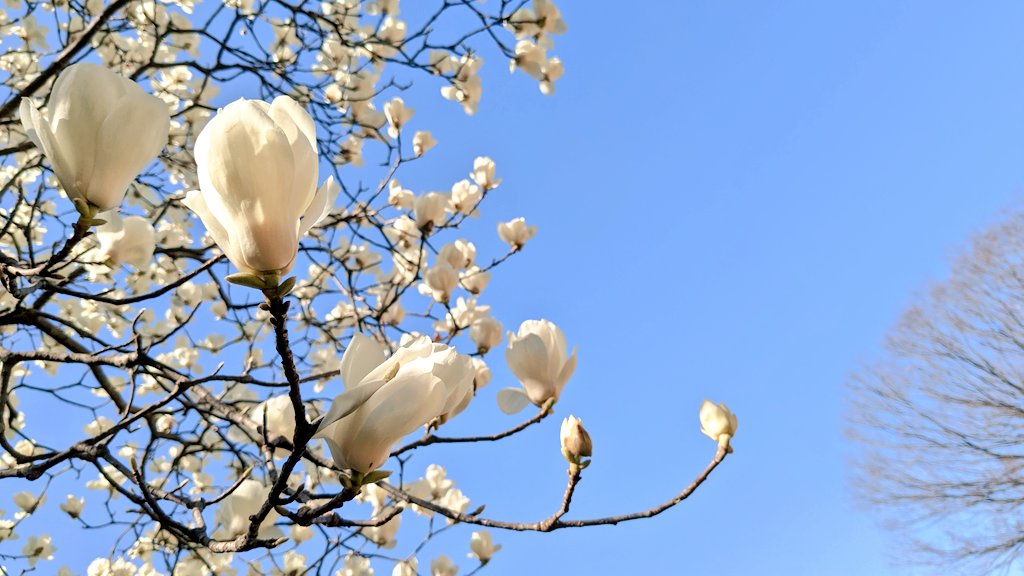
321 205
362 355
346 403
512 400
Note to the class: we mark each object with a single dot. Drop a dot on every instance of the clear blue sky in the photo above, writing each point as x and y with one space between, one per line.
735 201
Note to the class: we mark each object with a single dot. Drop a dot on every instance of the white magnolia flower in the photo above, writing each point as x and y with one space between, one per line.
516 233
442 566
576 442
100 130
552 71
233 511
422 141
529 58
280 419
401 197
130 240
465 197
537 356
28 502
257 168
104 567
294 564
718 423
386 398
429 210
7 530
397 114
356 565
300 534
384 535
482 546
439 281
475 280
459 254
38 548
483 173
485 333
73 506
406 568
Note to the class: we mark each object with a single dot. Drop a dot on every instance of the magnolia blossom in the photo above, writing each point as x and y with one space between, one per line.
552 71
465 197
459 254
429 210
718 423
279 416
537 356
130 240
421 142
397 114
28 502
576 443
38 548
483 173
384 535
400 197
439 281
233 512
356 565
406 568
515 232
73 506
482 546
104 567
257 168
475 280
442 566
386 398
100 130
485 333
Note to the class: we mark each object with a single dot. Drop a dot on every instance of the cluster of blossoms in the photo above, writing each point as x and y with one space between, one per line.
376 325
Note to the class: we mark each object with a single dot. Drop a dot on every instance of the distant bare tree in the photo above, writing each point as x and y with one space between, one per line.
942 416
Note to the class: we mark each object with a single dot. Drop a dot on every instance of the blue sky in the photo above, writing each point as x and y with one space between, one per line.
735 201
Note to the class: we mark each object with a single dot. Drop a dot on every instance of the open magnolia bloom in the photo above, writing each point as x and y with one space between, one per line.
537 356
387 398
257 168
232 515
100 130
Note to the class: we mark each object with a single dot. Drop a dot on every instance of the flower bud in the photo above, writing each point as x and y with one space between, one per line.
99 131
576 443
718 423
485 333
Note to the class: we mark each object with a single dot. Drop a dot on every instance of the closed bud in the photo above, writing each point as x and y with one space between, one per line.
99 131
576 443
718 423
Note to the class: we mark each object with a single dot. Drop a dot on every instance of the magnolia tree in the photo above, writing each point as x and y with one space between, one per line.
212 331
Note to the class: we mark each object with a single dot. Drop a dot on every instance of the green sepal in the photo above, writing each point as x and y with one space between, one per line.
273 290
376 476
247 280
